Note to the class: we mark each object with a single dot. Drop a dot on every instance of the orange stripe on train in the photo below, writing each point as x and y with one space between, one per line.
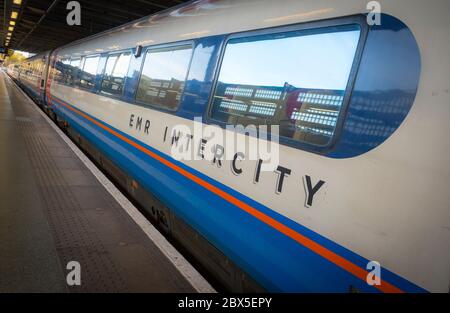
304 241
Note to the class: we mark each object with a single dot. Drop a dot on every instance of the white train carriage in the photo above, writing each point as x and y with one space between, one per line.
362 178
32 75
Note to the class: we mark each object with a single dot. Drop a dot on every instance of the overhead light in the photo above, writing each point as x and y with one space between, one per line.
9 34
12 23
10 28
14 14
18 2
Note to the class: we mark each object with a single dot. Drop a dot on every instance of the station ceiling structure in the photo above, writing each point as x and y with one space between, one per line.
39 25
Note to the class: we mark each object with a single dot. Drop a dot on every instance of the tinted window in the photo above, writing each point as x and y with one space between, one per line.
163 76
115 73
72 71
296 80
63 71
87 75
75 62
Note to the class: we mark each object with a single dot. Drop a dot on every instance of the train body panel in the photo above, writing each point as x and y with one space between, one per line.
13 70
32 74
382 190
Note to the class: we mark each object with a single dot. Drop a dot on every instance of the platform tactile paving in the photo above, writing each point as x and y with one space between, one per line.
76 222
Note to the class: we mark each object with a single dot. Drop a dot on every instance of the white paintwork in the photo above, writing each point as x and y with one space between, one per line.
392 204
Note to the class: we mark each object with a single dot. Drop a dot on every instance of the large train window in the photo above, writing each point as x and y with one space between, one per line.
89 72
296 80
115 73
163 76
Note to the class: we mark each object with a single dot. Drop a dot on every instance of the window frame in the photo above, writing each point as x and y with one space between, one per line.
126 78
145 51
306 26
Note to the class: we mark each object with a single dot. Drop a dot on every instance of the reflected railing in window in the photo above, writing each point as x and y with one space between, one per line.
115 72
88 73
296 80
164 76
304 114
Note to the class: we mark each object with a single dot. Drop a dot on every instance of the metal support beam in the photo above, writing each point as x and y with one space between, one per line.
38 22
41 24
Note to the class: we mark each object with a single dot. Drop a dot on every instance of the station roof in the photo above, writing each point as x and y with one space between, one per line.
41 24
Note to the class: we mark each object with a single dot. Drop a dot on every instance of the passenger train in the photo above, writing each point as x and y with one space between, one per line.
358 200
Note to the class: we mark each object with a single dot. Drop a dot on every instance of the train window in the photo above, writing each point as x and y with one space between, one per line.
88 73
72 71
296 80
61 71
115 72
75 62
163 76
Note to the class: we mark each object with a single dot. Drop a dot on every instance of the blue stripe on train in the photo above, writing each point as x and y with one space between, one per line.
34 92
277 262
31 91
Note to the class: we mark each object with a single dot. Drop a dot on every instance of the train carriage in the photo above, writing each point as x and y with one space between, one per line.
32 75
361 179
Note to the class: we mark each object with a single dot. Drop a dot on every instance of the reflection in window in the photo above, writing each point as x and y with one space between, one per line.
163 76
296 80
58 71
87 75
70 70
75 62
115 73
63 71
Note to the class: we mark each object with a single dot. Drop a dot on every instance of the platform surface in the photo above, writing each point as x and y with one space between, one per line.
53 210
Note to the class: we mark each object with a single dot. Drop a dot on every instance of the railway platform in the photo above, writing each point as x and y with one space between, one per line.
56 208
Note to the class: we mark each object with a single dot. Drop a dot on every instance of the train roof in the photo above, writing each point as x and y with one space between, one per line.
203 18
